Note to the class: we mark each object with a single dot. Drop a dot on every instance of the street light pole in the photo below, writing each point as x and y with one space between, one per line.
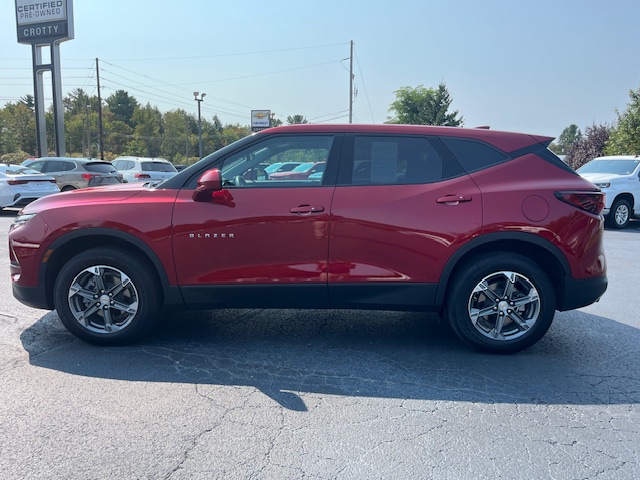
199 100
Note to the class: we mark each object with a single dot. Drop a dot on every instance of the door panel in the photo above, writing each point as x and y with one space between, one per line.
258 240
400 233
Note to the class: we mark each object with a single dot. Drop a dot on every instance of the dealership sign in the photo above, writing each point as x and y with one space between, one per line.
44 21
260 119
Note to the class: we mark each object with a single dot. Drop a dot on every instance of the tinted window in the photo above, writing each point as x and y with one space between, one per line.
157 167
474 155
55 166
100 167
394 160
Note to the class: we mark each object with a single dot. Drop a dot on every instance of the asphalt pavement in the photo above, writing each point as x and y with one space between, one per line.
281 394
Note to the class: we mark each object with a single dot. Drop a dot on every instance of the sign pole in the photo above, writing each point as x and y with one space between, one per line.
41 24
38 90
58 109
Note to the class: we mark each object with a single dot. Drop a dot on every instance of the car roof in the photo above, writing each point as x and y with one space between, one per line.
73 159
618 157
507 141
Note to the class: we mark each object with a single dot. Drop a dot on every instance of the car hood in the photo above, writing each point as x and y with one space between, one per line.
601 177
108 193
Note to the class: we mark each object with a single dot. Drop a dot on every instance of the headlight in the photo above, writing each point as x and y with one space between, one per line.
21 220
603 185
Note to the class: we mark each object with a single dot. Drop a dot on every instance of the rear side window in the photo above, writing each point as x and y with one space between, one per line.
100 167
57 166
157 167
474 155
387 160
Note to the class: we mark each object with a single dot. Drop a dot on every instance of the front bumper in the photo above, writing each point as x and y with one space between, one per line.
31 296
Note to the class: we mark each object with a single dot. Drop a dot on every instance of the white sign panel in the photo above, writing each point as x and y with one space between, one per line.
39 11
260 119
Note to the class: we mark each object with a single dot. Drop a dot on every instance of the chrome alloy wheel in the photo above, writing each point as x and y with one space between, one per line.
621 214
504 306
103 299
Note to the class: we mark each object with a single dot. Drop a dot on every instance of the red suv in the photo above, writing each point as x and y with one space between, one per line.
488 228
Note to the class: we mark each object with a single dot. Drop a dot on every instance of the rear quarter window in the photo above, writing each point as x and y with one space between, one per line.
100 167
474 155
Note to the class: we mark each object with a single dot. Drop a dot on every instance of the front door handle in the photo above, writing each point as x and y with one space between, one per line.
307 209
454 199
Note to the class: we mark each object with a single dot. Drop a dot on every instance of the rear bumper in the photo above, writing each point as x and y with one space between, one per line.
580 293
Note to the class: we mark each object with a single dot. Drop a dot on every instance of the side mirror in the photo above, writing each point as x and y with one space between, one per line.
208 183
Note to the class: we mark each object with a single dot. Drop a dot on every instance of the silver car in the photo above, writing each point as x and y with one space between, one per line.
144 169
72 173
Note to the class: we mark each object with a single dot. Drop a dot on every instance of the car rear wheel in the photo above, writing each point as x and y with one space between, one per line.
620 214
500 302
107 297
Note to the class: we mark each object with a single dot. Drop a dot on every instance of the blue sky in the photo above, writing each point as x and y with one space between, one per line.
534 67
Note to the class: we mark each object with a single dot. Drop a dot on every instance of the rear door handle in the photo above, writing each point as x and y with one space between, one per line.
307 209
454 199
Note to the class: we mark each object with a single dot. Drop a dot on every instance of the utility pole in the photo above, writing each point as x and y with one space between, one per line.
88 133
351 84
199 100
101 135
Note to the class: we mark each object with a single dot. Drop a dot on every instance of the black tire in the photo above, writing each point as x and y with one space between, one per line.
68 188
481 289
118 294
620 214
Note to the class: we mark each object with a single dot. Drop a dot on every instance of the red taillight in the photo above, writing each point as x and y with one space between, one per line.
88 176
592 202
17 182
142 176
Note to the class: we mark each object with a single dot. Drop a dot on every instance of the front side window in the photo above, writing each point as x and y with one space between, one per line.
387 160
249 167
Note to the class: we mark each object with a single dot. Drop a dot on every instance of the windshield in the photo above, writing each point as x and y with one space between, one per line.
157 167
303 167
272 167
18 170
618 167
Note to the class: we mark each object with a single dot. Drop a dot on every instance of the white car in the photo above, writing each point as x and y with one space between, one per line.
144 169
618 177
20 186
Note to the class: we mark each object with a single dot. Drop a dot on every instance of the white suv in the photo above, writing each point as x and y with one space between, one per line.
619 178
142 169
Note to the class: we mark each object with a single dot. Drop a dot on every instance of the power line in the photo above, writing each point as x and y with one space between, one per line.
365 88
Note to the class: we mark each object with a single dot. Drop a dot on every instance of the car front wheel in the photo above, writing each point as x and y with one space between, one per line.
500 302
620 214
106 297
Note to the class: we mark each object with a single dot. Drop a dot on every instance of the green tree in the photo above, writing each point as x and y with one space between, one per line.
424 106
18 129
294 120
148 131
625 136
29 101
123 106
76 102
176 135
568 137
